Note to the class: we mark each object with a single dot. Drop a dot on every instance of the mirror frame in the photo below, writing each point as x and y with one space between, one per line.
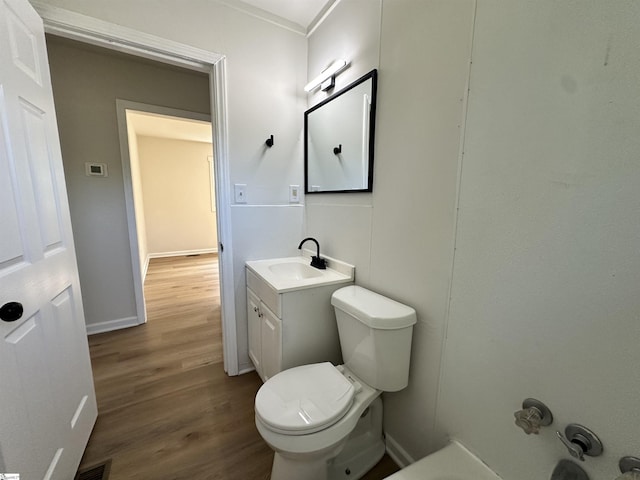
373 76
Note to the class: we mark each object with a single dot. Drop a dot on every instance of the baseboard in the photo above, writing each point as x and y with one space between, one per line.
246 368
110 325
182 253
397 453
145 268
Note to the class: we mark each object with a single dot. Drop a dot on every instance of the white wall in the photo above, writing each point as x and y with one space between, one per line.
266 231
352 32
342 222
266 70
138 199
177 194
424 62
400 237
547 267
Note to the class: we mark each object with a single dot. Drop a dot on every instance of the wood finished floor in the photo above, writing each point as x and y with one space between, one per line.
166 408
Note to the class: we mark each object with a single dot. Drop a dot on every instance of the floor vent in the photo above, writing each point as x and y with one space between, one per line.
96 472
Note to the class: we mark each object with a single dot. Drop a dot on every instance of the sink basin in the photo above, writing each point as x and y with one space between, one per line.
295 270
295 273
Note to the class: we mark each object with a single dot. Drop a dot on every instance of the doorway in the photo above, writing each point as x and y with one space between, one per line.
168 169
171 53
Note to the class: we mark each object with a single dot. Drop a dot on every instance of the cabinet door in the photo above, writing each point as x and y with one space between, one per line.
271 343
253 316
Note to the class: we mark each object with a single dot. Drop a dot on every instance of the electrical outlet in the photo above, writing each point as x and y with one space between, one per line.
294 193
240 190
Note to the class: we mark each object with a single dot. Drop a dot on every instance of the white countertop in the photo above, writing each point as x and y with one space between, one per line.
336 272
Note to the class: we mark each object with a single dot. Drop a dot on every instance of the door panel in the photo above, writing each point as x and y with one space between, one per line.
11 245
34 127
22 351
47 396
23 44
65 347
271 343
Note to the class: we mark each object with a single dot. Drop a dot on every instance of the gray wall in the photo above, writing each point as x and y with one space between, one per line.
86 83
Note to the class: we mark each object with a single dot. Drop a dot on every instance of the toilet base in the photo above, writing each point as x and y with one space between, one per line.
364 448
348 461
285 468
358 462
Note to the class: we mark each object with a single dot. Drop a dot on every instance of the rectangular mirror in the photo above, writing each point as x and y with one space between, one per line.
339 136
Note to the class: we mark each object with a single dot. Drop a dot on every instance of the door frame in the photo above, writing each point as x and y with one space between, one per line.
82 28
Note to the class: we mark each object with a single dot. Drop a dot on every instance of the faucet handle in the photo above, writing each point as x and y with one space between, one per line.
534 414
528 420
630 468
575 450
580 441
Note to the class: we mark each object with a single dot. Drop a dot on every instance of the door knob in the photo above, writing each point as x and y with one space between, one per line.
10 312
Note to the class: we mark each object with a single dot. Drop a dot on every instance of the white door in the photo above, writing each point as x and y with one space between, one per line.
47 400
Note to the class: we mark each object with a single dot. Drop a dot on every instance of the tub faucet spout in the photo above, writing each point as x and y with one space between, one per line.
316 261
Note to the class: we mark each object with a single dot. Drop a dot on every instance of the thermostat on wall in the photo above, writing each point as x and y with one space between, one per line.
95 169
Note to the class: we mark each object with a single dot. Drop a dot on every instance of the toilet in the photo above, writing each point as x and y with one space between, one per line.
324 422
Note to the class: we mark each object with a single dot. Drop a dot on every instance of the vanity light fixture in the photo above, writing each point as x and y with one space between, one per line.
327 79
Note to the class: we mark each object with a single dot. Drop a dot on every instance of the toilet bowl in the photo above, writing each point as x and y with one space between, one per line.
324 422
453 462
306 452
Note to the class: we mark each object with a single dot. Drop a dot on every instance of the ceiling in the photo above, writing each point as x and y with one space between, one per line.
155 125
299 15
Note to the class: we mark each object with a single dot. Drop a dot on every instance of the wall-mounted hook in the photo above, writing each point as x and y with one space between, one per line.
337 150
269 142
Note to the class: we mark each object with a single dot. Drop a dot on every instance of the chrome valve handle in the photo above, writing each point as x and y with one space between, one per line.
534 414
580 441
529 420
575 450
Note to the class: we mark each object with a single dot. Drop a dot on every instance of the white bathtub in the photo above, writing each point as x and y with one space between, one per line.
453 462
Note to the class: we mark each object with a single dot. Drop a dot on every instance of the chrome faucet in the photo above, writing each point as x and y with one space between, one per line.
316 261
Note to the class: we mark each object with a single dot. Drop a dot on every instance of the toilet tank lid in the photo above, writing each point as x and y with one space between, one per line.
373 309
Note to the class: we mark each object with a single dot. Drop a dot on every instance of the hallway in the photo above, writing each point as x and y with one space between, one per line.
166 407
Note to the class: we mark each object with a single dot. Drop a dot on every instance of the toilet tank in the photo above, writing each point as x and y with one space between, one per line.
375 336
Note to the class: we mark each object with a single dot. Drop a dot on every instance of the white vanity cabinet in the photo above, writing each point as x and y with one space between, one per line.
290 328
265 337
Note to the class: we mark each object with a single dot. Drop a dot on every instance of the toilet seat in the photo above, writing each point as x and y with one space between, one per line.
304 399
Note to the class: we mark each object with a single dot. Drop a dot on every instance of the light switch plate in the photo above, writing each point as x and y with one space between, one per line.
294 193
240 190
